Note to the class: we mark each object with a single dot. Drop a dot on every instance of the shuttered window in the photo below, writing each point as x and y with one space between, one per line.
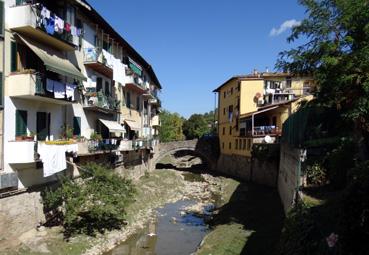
138 103
20 123
77 126
13 61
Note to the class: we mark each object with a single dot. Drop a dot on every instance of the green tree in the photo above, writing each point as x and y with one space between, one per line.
195 127
171 127
336 53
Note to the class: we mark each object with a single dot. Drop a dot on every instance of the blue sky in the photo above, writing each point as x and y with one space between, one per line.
195 45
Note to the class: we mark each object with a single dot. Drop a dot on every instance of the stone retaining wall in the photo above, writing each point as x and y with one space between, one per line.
20 213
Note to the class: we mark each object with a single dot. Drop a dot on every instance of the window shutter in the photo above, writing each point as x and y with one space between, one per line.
1 17
20 123
13 67
76 125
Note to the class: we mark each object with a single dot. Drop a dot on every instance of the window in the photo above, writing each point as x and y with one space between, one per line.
77 126
230 130
99 84
42 125
236 144
20 123
128 99
231 90
223 111
230 145
224 94
14 60
107 88
107 46
288 82
137 103
230 113
223 130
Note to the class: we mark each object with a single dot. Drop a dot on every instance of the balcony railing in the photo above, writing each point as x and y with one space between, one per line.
31 84
29 19
100 100
263 131
92 55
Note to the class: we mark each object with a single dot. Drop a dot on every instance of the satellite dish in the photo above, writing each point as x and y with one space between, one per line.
268 139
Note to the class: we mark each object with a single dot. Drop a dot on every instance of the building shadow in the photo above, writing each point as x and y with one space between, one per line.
259 210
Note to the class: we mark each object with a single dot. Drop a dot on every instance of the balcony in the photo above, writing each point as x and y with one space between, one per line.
135 83
262 131
95 59
34 86
26 20
155 121
98 101
21 152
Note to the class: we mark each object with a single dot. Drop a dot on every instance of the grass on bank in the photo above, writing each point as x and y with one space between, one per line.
249 221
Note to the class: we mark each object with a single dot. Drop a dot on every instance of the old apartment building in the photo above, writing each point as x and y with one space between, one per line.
71 86
252 110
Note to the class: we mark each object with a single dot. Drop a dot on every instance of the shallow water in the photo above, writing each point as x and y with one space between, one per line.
170 234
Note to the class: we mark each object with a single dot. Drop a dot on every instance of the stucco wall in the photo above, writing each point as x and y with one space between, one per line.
287 178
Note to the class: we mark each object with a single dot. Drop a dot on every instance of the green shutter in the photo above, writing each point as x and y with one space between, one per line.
41 126
20 123
135 68
1 17
13 67
1 88
76 125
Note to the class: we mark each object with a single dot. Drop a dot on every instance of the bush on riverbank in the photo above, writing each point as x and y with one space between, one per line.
94 203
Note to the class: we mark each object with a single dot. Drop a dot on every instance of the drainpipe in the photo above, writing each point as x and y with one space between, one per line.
3 95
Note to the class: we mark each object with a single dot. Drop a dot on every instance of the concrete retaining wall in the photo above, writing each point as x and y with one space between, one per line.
288 171
264 172
234 165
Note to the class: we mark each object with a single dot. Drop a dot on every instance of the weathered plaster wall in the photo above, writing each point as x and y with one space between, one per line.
287 178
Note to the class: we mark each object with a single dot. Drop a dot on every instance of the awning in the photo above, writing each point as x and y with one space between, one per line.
114 127
257 112
53 60
135 67
133 124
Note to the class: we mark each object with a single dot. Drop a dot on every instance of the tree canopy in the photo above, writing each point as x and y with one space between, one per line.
171 127
198 125
336 54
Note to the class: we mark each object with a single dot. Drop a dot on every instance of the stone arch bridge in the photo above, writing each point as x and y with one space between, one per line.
206 148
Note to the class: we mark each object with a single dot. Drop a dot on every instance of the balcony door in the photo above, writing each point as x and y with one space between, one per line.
42 125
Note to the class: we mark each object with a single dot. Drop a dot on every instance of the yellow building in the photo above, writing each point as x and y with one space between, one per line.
252 108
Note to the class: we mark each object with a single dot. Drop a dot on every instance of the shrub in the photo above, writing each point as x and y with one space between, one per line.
300 234
354 221
95 203
316 174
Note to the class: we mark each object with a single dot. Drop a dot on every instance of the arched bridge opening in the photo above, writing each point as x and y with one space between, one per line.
207 149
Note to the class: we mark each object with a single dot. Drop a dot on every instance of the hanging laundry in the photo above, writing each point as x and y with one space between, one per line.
70 88
67 27
45 13
79 32
49 85
59 90
50 27
59 25
73 30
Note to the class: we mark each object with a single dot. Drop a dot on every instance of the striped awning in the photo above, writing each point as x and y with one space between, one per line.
53 60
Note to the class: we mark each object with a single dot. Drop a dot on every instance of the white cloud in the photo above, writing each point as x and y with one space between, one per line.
288 24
